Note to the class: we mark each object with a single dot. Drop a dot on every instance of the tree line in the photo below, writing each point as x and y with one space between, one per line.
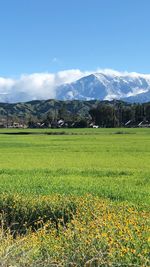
104 114
75 114
116 114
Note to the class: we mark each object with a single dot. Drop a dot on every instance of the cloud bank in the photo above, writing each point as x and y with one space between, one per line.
35 86
39 86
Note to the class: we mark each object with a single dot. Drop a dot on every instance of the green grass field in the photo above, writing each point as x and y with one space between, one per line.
100 162
110 165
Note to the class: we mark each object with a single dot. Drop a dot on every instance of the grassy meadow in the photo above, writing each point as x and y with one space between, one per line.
75 197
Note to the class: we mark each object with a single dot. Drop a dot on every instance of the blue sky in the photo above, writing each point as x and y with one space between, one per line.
55 35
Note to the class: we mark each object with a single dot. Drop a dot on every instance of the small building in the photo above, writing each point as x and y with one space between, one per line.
92 125
60 123
144 124
128 123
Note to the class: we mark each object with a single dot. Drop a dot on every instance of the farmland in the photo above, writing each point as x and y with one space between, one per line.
77 196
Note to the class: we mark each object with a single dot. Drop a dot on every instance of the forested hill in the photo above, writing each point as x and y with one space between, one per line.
40 108
103 113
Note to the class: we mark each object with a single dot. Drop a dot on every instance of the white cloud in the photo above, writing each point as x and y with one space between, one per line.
114 73
35 86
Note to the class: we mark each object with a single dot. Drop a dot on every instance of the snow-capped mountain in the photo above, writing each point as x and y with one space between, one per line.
103 86
76 84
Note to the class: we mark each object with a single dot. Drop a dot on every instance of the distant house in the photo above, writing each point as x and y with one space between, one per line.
17 125
92 125
42 125
60 123
95 126
128 123
144 124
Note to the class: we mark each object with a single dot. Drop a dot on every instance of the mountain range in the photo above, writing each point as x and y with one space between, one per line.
101 86
77 85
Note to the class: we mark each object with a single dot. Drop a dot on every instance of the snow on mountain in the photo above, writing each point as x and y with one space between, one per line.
75 84
139 98
107 86
89 87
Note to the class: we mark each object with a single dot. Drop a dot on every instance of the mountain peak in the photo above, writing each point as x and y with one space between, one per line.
108 86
